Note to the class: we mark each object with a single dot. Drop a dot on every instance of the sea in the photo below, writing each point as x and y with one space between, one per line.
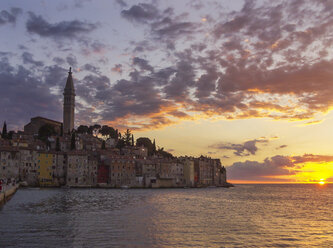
297 215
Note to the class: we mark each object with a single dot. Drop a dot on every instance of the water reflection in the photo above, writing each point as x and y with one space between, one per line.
248 215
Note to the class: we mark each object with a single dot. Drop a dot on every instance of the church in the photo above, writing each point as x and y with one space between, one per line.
67 126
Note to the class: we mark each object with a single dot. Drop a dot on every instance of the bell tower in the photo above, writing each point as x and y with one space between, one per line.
69 104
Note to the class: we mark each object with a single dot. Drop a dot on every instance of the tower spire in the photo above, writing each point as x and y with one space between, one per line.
69 103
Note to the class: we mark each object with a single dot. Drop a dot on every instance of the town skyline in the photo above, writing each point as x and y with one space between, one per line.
249 82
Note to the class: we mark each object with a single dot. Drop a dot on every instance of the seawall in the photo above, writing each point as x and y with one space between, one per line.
7 194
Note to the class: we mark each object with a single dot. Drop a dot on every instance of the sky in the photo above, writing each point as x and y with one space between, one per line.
249 82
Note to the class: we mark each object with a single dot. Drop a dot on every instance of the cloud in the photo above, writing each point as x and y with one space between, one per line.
61 30
117 68
281 147
28 59
122 3
142 64
91 68
141 13
24 95
245 149
9 16
71 60
283 168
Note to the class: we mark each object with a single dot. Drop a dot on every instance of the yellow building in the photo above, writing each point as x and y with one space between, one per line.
45 167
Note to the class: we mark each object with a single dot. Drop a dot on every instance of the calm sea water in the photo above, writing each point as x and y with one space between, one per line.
244 216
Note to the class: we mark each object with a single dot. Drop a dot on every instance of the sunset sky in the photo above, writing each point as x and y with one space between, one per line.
249 82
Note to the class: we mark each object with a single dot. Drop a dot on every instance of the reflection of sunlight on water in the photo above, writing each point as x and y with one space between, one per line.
247 215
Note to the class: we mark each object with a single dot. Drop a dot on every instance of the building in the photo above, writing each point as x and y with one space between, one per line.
9 162
36 123
81 169
188 172
69 104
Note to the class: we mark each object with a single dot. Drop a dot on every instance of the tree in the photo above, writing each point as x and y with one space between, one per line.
10 134
61 130
82 129
4 131
132 140
57 145
94 130
108 132
146 142
154 147
120 144
163 153
73 145
103 145
127 138
46 131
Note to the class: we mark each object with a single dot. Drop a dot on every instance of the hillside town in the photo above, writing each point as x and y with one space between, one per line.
49 153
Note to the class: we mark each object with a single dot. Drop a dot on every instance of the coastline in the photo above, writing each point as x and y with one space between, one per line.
7 194
24 185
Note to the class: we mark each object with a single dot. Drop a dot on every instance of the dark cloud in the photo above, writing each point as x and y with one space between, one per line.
61 30
274 166
28 59
71 60
170 29
91 68
142 12
122 3
59 61
142 64
9 16
259 171
247 148
24 95
281 147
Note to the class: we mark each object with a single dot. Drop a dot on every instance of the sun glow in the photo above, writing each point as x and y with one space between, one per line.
321 182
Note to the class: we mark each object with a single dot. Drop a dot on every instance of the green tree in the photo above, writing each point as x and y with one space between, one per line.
4 131
163 153
10 134
120 143
57 148
82 129
103 145
127 137
132 140
154 147
94 129
73 145
46 131
146 142
61 130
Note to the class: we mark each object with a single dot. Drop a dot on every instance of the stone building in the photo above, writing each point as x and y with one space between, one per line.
9 162
81 169
36 123
122 171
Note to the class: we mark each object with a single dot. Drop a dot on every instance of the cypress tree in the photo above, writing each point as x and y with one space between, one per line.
103 145
73 146
4 131
154 147
57 145
61 130
132 140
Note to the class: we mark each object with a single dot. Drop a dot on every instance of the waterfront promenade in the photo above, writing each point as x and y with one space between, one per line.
7 192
